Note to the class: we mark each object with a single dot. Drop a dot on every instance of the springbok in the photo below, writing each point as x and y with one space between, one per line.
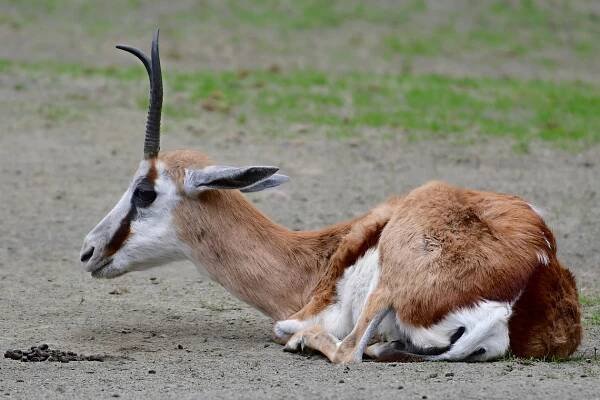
441 273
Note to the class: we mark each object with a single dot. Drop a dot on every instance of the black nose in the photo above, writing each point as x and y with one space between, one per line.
87 255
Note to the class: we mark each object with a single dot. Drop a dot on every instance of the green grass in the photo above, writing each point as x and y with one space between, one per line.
589 301
501 28
410 28
591 309
280 15
346 103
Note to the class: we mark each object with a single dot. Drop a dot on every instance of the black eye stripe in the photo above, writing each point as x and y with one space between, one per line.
122 233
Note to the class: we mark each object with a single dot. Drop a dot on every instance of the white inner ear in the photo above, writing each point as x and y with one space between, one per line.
195 179
190 179
226 177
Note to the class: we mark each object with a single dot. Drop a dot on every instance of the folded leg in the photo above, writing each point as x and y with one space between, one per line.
352 347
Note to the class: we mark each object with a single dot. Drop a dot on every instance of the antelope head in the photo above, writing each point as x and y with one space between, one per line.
140 231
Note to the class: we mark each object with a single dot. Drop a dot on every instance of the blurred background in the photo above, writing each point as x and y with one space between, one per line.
520 68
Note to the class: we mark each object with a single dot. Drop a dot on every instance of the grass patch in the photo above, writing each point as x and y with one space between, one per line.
594 318
55 113
422 105
346 103
504 29
426 105
284 16
591 309
589 301
419 28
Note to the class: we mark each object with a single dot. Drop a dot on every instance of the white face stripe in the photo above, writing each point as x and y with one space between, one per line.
100 236
152 239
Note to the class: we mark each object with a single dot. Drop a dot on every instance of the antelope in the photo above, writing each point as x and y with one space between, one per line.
440 273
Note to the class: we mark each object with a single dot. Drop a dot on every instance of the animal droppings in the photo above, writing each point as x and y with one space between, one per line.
45 353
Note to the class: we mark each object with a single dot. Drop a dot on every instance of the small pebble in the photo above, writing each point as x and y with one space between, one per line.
433 376
152 371
584 376
341 381
180 347
400 387
449 374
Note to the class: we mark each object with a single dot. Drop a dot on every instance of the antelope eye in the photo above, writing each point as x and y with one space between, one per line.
143 197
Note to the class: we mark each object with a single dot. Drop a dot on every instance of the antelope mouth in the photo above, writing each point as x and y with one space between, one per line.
105 271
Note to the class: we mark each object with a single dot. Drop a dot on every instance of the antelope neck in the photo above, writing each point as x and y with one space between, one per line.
260 262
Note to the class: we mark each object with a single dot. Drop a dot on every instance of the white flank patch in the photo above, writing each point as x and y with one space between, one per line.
353 288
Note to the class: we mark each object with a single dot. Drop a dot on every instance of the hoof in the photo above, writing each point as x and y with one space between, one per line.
295 344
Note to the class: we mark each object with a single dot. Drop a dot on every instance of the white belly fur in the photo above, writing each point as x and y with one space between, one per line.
485 323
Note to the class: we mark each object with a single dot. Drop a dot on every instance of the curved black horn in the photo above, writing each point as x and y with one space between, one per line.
152 140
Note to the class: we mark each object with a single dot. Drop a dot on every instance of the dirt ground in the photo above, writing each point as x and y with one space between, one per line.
59 174
58 181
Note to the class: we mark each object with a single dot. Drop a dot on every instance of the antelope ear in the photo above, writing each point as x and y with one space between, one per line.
223 177
272 181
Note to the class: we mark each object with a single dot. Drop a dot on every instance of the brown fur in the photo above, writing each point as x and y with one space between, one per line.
546 318
363 235
121 235
441 248
261 262
152 171
446 248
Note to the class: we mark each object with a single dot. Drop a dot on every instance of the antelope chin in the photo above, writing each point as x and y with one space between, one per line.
107 271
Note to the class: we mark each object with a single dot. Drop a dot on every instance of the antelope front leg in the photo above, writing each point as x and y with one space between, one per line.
350 349
285 329
315 338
